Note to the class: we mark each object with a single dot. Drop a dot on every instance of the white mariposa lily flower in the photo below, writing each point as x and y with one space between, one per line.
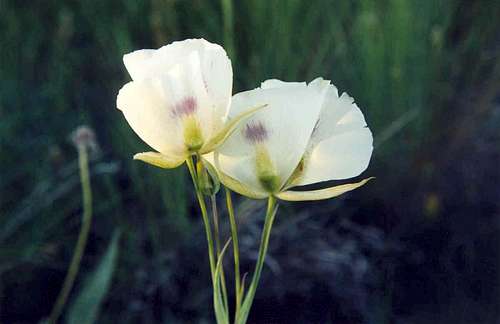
178 99
307 134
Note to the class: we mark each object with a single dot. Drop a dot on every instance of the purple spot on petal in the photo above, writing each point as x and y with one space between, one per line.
255 132
185 107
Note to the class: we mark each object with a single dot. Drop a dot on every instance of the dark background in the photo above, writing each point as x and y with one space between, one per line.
417 245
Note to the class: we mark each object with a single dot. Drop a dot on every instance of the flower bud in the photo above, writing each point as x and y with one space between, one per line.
208 181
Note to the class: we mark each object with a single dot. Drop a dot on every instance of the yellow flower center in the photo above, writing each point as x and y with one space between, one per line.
266 171
193 138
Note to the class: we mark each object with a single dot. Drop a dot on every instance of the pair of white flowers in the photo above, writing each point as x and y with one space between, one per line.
262 142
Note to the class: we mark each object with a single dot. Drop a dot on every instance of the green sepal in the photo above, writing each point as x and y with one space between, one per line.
159 160
320 194
228 129
208 179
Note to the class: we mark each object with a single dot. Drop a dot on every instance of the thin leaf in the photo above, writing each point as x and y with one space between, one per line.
221 313
85 307
242 288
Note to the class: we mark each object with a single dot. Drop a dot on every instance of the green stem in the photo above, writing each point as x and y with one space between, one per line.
204 214
82 236
227 13
236 250
215 217
264 243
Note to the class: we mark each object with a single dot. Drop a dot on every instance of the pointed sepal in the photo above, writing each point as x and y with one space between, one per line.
228 129
159 160
320 194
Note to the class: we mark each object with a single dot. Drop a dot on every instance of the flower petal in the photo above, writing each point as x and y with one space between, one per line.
241 177
320 194
158 159
184 87
215 70
149 63
157 108
283 128
338 115
275 83
143 64
147 112
245 189
238 187
217 74
339 157
341 145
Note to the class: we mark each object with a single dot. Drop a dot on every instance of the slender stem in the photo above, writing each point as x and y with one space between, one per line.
227 12
215 217
204 214
264 243
82 236
236 250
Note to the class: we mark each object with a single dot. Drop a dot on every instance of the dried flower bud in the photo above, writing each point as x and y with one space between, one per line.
84 136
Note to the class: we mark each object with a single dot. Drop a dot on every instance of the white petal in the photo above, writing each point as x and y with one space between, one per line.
157 107
341 144
142 64
215 69
149 63
275 83
249 188
184 82
217 76
241 169
287 122
339 114
229 127
341 156
149 115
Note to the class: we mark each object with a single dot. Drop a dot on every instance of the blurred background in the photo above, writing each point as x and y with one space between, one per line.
417 245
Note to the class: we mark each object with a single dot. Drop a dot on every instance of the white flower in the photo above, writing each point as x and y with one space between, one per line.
178 100
307 134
